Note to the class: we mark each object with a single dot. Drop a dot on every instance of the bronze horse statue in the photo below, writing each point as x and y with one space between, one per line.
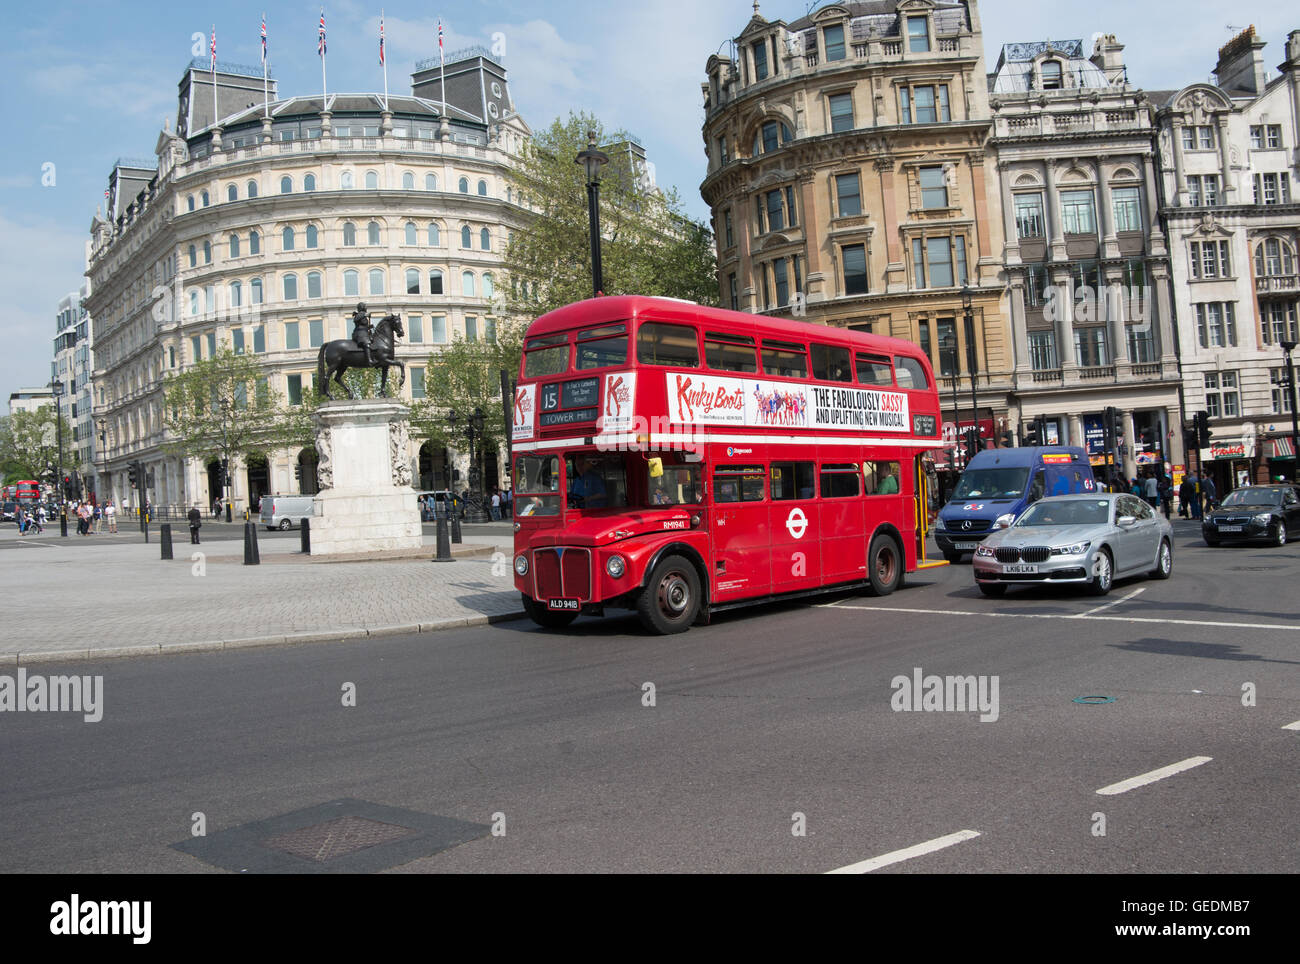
337 356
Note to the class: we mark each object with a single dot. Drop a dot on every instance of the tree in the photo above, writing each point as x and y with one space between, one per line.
29 443
648 246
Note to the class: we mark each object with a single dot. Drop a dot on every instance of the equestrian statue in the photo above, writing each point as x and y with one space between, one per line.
367 348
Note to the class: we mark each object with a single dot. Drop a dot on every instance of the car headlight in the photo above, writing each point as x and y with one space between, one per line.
1078 549
614 566
983 550
1004 521
1264 518
521 565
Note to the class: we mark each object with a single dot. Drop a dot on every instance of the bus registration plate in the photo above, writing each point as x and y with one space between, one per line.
1020 569
564 605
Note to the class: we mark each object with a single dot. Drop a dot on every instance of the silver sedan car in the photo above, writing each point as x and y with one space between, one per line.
1090 539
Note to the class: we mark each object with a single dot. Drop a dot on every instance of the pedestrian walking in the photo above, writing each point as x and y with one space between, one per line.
1211 496
1166 495
110 514
196 520
99 518
1196 495
1185 492
1151 490
496 505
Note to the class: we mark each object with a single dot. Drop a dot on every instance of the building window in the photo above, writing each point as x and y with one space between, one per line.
485 240
286 185
232 193
471 328
841 112
1221 396
918 35
234 246
435 282
1198 138
734 293
412 281
345 181
924 104
291 336
372 232
833 38
727 231
189 202
286 239
211 339
313 236
770 136
1280 391
194 302
256 286
415 327
1209 259
1050 71
438 329
236 294
417 381
351 283
349 235
315 333
467 284
1141 344
372 181
1090 347
760 60
1273 257
487 285
466 239
313 284
204 196
1042 351
1202 190
294 385
934 188
194 256
259 340
412 237
376 277
1278 322
408 181
781 277
291 287
1029 216
848 195
1216 324
431 182
1266 136
254 243
309 182
433 235
854 257
482 188
938 256
196 349
723 157
939 262
1272 188
1128 212
463 185
1078 216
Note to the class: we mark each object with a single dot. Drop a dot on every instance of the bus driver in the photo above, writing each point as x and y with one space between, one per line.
586 486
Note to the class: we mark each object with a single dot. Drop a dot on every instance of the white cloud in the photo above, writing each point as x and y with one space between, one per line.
94 88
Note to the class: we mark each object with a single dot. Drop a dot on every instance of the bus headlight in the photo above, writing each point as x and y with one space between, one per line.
615 566
521 565
1004 521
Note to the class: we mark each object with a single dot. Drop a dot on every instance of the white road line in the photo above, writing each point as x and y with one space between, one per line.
1142 780
1116 619
907 853
1115 602
1292 726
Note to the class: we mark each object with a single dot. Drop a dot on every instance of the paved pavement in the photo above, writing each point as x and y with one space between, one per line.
105 595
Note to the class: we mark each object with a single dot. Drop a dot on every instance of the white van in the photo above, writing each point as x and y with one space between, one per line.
285 511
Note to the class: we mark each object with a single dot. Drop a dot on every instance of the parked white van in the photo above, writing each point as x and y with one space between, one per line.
285 511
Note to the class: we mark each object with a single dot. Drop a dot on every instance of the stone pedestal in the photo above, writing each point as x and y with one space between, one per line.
366 502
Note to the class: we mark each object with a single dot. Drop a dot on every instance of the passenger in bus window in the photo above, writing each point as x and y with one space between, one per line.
888 480
587 487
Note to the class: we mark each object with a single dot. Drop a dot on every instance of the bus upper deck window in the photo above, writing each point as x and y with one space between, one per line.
602 347
547 355
663 344
831 363
911 374
874 370
730 353
786 359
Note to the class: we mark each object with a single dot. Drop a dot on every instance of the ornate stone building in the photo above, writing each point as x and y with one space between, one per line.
1087 264
1230 158
848 182
263 230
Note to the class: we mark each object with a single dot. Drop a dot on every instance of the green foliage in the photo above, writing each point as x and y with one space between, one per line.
462 377
221 406
649 246
29 442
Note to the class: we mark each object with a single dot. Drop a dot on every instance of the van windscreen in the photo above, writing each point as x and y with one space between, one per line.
1006 483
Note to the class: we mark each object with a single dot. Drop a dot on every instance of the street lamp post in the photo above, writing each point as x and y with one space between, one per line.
592 161
968 316
57 387
949 347
225 453
1288 347
471 426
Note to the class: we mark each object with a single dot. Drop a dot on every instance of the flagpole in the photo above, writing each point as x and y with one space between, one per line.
266 96
383 56
442 70
324 94
215 115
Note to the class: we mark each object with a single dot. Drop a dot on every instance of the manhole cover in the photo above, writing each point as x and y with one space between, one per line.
333 838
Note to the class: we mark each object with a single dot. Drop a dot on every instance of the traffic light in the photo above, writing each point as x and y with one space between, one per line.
1032 434
1008 440
67 487
297 471
1203 433
132 475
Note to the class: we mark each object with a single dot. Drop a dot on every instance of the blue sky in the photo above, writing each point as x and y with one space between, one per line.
91 83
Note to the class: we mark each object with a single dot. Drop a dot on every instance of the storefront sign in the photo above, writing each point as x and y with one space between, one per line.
1229 450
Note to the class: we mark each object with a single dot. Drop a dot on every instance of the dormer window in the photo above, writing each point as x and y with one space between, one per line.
760 60
1051 73
918 35
834 40
770 136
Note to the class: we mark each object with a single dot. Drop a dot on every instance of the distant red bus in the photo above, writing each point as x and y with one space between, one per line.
27 490
680 460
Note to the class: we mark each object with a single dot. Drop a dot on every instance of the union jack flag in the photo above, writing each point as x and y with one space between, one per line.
320 45
214 47
381 40
263 38
440 54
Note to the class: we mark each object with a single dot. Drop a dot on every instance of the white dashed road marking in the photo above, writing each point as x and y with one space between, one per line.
1292 726
1116 619
1143 779
907 853
1114 602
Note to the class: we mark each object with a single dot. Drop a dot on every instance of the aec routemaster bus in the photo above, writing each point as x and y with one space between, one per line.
679 460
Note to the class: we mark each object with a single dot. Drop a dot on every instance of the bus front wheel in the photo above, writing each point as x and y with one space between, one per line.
884 565
670 601
544 617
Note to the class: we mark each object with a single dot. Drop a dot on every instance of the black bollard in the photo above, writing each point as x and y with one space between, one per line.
144 527
251 557
165 540
444 542
305 531
455 527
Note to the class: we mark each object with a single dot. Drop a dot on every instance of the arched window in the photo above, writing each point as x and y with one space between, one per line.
372 232
376 281
236 294
313 236
189 202
770 136
232 193
465 239
309 182
467 284
345 181
204 197
207 252
286 239
194 256
372 181
431 182
1273 257
434 238
313 284
194 301
252 189
256 286
291 287
411 233
286 185
1051 73
485 240
254 243
488 287
408 181
234 246
351 283
435 282
349 234
509 195
482 188
464 185
412 281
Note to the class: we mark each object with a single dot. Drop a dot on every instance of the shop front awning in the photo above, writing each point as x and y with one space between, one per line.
1281 449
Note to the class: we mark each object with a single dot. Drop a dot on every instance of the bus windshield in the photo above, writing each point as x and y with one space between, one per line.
596 481
675 485
537 485
992 484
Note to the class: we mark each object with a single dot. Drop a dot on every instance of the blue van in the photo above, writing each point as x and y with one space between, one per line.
999 484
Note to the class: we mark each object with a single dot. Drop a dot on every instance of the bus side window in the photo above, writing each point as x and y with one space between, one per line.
880 478
792 480
1037 487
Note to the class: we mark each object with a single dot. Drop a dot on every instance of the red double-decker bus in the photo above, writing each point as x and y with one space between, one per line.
680 460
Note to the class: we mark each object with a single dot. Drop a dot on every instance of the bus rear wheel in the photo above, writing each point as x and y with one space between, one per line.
670 601
543 617
884 565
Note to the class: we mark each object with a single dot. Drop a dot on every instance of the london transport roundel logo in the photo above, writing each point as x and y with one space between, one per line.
796 523
972 507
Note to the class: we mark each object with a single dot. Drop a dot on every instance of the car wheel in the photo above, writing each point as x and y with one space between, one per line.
993 589
285 525
670 600
544 617
884 565
1164 561
1280 538
1103 573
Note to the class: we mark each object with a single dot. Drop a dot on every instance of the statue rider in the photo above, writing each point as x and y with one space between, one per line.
361 332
